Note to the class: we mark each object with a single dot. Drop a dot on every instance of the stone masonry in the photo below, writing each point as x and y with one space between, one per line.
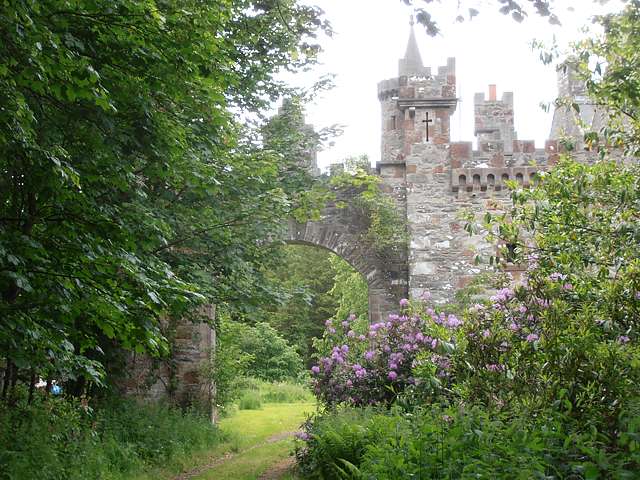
442 178
433 180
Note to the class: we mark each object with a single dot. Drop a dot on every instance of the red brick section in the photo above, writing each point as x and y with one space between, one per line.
492 93
497 160
517 146
407 92
441 137
551 149
528 146
460 151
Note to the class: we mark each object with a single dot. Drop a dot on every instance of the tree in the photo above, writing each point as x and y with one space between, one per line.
303 279
518 10
608 64
129 189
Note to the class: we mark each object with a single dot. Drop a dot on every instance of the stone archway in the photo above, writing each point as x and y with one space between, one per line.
386 274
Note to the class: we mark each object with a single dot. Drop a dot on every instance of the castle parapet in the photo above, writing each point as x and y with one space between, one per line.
482 179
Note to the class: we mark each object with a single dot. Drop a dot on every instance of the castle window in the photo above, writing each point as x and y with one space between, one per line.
393 122
476 181
462 180
519 178
491 180
505 177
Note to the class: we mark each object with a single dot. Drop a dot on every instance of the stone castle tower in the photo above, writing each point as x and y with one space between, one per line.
433 179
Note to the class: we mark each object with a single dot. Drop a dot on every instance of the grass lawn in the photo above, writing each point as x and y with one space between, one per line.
257 440
259 429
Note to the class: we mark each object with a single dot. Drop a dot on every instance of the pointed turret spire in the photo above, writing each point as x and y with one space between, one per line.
411 64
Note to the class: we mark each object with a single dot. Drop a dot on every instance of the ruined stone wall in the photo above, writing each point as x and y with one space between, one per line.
178 378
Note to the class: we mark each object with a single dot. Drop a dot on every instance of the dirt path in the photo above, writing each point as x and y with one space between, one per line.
272 474
278 470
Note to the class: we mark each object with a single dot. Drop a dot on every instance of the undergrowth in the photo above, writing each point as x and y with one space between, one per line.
275 392
59 438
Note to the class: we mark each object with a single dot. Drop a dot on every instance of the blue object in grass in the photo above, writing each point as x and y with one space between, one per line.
56 389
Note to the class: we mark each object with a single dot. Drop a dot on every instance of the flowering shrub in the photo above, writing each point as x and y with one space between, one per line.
371 365
542 379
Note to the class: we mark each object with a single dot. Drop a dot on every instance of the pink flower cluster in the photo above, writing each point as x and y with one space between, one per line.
361 367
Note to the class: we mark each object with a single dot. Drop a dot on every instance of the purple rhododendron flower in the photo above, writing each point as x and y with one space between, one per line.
492 367
304 436
623 339
532 337
345 324
404 302
453 321
392 375
369 354
315 369
352 317
503 295
351 334
486 333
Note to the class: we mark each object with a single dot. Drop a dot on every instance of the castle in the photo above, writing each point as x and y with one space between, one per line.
431 179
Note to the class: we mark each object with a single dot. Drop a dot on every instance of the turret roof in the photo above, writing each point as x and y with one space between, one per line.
411 64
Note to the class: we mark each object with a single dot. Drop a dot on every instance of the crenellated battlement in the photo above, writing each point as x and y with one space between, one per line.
483 179
440 178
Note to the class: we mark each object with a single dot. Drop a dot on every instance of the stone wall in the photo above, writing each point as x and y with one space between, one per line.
342 231
177 378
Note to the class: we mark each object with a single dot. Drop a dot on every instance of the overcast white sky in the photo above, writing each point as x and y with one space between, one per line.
370 36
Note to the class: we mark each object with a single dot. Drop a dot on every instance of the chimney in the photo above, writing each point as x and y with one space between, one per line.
492 93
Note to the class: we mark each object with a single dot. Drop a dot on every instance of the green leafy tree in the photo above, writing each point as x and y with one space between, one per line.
350 291
268 355
129 190
608 65
303 279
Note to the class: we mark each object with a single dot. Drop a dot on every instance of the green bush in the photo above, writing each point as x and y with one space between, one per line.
250 400
334 440
59 438
444 443
285 392
266 355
